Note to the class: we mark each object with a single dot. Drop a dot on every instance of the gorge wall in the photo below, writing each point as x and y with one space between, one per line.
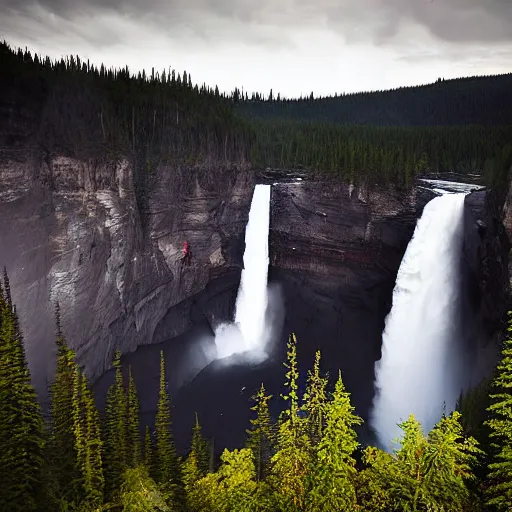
71 231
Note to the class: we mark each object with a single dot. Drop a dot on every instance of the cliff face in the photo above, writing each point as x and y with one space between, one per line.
71 232
337 250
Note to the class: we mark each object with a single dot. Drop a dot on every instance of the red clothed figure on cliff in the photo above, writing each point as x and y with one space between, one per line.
186 253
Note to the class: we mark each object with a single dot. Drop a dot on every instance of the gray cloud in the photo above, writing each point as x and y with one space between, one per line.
377 21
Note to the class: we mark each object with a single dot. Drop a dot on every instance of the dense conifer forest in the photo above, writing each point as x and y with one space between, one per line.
482 100
72 107
307 459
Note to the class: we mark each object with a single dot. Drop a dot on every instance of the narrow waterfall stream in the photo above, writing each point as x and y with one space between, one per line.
420 369
248 333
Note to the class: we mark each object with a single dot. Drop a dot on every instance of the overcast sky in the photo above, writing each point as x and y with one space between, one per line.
292 46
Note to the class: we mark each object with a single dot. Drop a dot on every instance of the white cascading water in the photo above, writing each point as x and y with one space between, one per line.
420 369
249 333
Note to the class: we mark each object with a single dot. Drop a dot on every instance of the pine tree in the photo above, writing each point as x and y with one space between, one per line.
165 464
315 399
61 447
261 434
115 431
148 449
499 490
334 472
291 462
22 434
134 444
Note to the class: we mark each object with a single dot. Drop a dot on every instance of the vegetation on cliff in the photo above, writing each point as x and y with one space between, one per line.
72 107
307 459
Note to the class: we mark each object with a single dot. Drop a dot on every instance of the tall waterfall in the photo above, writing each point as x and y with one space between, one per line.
249 332
420 370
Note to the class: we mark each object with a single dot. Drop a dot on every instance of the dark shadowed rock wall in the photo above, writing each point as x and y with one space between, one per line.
70 231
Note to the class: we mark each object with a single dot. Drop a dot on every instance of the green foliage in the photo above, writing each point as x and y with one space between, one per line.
165 462
115 431
261 435
201 448
332 483
371 155
88 444
315 400
291 463
139 493
232 488
61 447
133 441
22 436
500 469
196 464
426 473
148 449
473 406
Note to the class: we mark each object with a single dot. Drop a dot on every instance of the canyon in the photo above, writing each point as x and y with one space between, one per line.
72 230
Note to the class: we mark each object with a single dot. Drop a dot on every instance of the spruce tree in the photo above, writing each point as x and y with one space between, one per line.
315 399
22 434
148 449
291 463
334 472
90 459
165 463
61 447
261 434
134 442
499 491
197 462
115 431
201 447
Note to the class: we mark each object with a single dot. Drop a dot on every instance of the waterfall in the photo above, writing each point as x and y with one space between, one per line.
249 333
420 369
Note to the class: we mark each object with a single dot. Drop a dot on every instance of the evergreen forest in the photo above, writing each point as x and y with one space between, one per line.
72 107
307 459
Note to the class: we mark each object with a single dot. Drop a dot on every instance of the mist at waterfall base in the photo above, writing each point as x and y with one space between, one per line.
421 368
251 331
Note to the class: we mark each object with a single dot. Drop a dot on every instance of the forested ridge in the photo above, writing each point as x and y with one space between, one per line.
72 107
307 459
478 100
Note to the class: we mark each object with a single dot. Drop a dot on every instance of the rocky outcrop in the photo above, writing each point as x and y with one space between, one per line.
486 287
71 232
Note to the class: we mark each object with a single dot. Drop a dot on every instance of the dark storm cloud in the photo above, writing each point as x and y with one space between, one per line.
361 20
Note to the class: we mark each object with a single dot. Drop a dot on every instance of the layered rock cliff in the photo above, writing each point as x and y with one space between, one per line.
71 232
337 249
